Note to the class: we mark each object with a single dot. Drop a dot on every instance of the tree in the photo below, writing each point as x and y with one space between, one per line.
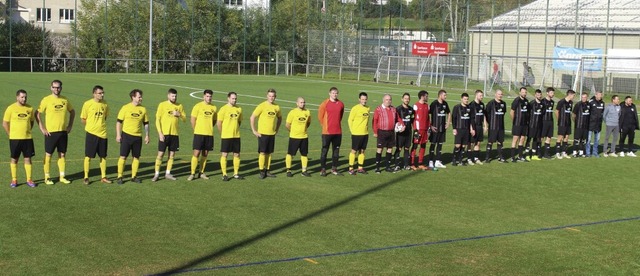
26 40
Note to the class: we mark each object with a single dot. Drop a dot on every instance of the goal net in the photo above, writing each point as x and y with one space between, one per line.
282 63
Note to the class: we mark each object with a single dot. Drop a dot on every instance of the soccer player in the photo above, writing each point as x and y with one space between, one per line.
547 120
132 117
359 126
298 121
496 109
269 120
479 122
229 121
441 119
168 115
330 115
611 119
563 113
596 108
203 118
18 121
94 116
520 125
463 129
628 125
581 116
403 139
56 129
385 118
535 127
421 125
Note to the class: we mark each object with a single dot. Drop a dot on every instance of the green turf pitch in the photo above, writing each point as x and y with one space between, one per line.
148 228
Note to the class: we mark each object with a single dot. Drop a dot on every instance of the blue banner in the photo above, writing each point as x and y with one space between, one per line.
566 58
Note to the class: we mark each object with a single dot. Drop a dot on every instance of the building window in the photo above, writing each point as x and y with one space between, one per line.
233 2
43 15
67 16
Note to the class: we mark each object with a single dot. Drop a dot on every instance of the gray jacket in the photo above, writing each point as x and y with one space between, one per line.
611 114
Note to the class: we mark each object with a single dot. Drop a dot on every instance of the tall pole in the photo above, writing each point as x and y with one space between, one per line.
150 34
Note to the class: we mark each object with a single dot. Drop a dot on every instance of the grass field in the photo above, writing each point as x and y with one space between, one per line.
578 216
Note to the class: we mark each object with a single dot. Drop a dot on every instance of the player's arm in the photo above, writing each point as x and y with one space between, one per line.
183 115
72 117
279 122
6 125
83 115
118 130
193 122
352 115
158 124
43 129
448 121
375 123
146 132
574 113
321 111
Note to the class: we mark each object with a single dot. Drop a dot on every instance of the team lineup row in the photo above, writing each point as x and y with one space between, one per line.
407 128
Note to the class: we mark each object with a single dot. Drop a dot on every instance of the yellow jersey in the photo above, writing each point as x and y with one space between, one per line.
166 123
268 115
20 119
205 115
231 118
55 109
133 118
299 120
95 114
359 120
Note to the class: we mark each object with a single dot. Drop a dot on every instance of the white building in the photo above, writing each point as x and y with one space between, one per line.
55 15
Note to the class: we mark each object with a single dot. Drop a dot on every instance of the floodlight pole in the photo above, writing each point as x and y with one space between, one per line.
150 34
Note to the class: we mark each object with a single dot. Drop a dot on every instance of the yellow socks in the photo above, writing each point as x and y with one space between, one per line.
103 167
121 167
304 160
61 166
268 161
14 171
157 165
47 166
223 164
27 169
287 161
361 160
86 163
236 165
194 164
134 167
169 165
203 163
261 161
352 159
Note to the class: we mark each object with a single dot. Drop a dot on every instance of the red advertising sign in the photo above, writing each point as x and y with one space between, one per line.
429 48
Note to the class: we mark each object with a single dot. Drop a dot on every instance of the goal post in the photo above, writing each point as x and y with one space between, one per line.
282 63
401 69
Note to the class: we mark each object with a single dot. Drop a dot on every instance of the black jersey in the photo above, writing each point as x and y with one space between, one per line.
564 108
537 112
462 117
478 110
520 109
583 114
407 115
596 108
548 110
495 114
439 112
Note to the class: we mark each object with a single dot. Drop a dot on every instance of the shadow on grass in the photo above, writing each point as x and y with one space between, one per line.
189 266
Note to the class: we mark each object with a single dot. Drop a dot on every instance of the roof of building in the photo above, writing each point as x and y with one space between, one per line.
561 15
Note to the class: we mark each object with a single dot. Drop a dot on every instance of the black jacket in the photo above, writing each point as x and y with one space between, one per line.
628 117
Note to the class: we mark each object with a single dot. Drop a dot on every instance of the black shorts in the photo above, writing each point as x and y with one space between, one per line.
56 140
130 143
581 134
404 141
171 142
463 137
519 130
496 135
479 137
386 139
94 144
296 144
230 145
200 142
438 137
535 132
335 140
266 143
547 129
564 131
21 146
359 142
